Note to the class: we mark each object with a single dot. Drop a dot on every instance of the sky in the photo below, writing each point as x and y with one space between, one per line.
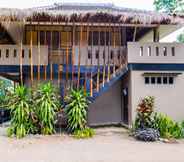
139 4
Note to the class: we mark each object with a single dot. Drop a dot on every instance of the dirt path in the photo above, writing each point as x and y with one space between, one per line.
109 145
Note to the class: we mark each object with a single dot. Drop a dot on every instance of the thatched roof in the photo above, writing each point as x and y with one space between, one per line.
93 13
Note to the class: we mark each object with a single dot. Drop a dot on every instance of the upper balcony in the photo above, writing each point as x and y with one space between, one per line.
10 55
156 52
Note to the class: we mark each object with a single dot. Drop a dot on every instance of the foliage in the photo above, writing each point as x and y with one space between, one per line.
84 133
144 113
147 134
46 103
167 127
180 38
169 6
76 109
21 124
5 91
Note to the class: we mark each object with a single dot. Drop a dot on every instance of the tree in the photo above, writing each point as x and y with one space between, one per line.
169 6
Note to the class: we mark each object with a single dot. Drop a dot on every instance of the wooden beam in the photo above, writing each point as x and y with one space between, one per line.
67 46
91 76
31 58
135 33
108 66
20 58
45 66
114 47
98 73
39 56
79 56
73 53
51 50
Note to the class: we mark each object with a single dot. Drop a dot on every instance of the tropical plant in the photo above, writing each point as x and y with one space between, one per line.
46 104
76 109
84 133
21 124
144 113
169 6
167 127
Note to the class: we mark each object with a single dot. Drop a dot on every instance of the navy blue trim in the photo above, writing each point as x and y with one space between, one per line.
156 67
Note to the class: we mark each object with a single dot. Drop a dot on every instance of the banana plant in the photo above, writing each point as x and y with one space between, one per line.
46 104
76 109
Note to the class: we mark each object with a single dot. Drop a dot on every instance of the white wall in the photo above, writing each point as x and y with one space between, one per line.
168 98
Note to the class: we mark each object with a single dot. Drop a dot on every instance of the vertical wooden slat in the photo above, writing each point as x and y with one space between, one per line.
73 52
86 71
39 56
45 66
67 40
91 66
114 46
21 70
59 72
79 56
51 50
98 73
31 57
108 66
120 53
104 66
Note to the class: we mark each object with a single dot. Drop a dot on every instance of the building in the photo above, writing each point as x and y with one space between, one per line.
113 53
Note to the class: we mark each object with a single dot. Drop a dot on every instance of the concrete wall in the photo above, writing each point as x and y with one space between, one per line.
107 108
155 52
168 98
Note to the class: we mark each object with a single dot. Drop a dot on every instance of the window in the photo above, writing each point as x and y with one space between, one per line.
112 55
15 53
165 51
55 39
147 80
42 37
157 51
23 53
153 80
159 80
89 54
165 80
173 51
171 80
141 51
97 54
149 51
7 53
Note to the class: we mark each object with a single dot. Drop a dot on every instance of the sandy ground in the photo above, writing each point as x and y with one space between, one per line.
109 145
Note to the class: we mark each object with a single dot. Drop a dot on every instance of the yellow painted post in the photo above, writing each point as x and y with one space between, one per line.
104 57
31 58
51 50
98 73
108 67
20 58
91 79
79 56
114 46
73 52
45 66
39 55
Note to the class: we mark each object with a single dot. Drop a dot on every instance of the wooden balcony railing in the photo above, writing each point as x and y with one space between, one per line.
10 55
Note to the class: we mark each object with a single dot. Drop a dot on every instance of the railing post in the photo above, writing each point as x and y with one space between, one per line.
31 58
91 67
39 53
20 58
98 73
108 67
114 46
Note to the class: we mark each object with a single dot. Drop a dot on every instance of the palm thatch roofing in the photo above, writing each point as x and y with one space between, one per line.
89 13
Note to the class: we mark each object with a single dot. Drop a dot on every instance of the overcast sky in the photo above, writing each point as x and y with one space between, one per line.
141 4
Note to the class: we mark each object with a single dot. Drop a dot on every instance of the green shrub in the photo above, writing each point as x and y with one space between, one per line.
84 133
144 113
46 103
167 127
21 123
76 110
